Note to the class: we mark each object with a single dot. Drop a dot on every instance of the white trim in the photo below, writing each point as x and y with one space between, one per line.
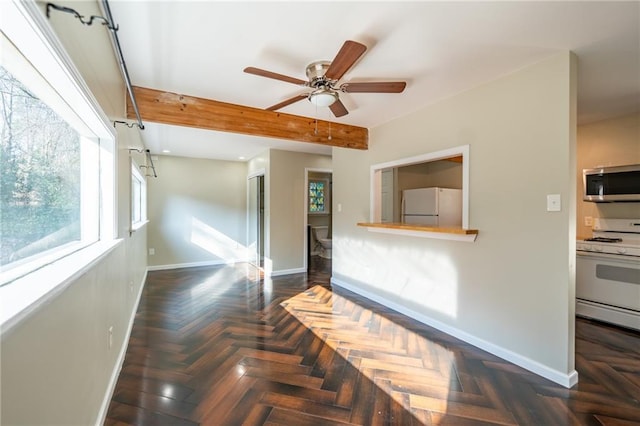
425 234
47 283
102 416
257 173
45 51
287 272
564 379
137 174
217 262
139 225
305 198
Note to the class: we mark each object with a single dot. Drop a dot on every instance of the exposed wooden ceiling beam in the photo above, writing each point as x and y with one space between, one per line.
182 110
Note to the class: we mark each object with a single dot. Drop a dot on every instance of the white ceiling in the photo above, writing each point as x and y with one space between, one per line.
440 49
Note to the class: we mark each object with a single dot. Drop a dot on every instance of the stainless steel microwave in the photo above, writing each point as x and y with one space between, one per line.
609 184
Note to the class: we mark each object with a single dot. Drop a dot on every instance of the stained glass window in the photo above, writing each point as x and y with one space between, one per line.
317 196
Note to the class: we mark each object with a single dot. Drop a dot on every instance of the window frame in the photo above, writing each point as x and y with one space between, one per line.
25 28
327 196
137 175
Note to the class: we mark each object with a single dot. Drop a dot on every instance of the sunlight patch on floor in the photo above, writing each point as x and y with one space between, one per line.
397 360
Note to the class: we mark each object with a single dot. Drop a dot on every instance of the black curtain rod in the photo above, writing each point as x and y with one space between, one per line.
108 22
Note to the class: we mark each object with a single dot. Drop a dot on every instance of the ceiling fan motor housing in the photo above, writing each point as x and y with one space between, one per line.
315 74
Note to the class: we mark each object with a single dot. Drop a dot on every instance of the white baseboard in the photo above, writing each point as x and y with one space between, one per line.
102 415
287 272
216 262
566 380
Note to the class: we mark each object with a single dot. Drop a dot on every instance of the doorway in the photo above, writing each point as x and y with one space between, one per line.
317 214
255 220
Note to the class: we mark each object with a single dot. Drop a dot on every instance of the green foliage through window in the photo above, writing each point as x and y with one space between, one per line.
40 186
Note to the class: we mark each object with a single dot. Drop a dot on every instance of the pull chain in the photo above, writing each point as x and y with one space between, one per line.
316 131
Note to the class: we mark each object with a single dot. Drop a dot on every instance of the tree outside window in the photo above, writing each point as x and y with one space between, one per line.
40 175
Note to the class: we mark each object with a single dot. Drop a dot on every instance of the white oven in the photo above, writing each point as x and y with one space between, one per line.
608 273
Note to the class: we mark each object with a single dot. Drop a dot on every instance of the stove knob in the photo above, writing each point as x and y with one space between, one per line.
621 250
597 248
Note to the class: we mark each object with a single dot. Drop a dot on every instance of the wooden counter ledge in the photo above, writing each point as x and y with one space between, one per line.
445 233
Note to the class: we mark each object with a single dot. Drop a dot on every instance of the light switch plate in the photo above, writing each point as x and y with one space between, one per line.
553 203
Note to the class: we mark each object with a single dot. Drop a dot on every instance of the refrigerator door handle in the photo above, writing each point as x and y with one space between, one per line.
402 208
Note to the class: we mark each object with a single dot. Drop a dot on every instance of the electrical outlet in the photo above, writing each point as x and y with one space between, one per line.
110 337
588 221
152 251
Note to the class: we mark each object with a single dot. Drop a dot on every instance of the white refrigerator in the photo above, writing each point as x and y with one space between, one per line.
432 206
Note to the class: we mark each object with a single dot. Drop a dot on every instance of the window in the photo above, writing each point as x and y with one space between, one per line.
138 197
318 196
56 154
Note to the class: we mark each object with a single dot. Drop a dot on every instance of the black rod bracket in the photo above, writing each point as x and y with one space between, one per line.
81 18
129 125
149 158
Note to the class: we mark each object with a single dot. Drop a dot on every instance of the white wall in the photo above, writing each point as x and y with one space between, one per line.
511 291
56 365
197 212
286 207
614 142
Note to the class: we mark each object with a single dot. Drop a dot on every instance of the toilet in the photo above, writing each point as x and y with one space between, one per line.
320 234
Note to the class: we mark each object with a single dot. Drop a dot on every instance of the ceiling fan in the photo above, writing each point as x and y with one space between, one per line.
323 79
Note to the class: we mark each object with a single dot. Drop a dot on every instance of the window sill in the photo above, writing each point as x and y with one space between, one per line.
453 233
138 225
23 296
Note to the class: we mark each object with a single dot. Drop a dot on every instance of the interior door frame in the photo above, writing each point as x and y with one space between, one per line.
257 173
305 199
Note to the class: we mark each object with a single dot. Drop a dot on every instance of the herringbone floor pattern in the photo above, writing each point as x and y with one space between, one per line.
220 346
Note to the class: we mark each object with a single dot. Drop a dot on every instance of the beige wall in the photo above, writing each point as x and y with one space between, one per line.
56 364
442 173
286 207
197 212
512 290
613 142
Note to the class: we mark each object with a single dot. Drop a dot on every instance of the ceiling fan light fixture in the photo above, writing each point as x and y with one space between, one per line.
323 97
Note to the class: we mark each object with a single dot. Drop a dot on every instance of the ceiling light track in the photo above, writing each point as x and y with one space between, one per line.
108 22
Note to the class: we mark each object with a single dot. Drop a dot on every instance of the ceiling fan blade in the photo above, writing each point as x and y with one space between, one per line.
346 57
375 87
338 109
287 102
275 76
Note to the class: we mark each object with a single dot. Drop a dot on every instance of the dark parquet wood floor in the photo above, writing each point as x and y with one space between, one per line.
220 346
